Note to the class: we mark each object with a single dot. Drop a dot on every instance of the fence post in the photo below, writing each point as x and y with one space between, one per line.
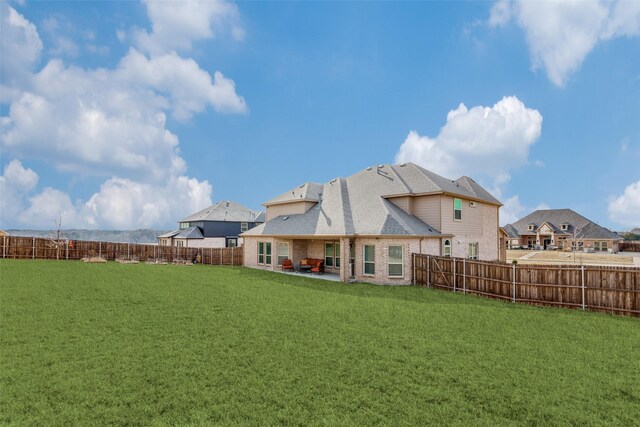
233 261
428 271
4 246
33 248
513 281
100 249
583 294
464 276
211 256
454 274
128 256
413 264
67 249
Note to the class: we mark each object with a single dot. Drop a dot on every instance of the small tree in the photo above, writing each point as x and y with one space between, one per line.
577 240
57 237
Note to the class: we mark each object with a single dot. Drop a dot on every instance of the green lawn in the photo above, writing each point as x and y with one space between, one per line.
86 344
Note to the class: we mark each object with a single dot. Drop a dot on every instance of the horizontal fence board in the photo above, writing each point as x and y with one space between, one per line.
41 248
629 246
614 289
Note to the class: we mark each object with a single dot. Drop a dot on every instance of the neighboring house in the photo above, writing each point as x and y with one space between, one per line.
217 226
560 228
365 227
3 233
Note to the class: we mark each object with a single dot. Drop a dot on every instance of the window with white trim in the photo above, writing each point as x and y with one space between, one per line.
369 258
184 225
244 226
473 250
395 261
457 210
447 248
264 253
329 254
283 252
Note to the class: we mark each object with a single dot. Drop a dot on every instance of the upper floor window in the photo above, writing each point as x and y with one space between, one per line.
244 226
564 226
184 225
457 210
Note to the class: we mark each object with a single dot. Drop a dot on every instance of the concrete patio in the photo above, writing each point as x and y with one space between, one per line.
332 277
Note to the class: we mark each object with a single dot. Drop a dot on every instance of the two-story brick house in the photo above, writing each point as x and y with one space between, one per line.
365 227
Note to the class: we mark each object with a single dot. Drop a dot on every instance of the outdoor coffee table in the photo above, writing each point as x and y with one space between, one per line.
304 268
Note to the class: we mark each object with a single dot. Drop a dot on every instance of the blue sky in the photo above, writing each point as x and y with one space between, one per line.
136 114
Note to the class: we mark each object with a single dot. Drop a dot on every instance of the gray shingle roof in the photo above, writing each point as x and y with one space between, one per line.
226 211
511 231
357 204
307 191
556 217
169 234
189 233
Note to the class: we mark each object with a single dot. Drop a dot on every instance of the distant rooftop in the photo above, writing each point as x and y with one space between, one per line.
226 210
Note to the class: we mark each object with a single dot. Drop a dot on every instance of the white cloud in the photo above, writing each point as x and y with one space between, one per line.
104 122
112 121
175 28
15 183
500 13
189 87
560 34
21 46
120 202
485 141
511 211
625 209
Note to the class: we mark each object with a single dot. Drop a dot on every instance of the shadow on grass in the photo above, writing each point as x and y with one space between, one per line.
417 294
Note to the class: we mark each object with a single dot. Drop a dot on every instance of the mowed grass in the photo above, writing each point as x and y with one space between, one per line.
86 344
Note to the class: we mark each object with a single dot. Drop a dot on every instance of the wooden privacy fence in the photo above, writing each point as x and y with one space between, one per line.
631 246
610 289
39 248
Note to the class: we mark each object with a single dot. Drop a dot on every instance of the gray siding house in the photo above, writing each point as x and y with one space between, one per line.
217 226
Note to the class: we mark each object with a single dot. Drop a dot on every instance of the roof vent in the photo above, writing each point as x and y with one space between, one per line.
403 165
333 180
285 218
369 168
380 166
301 185
227 204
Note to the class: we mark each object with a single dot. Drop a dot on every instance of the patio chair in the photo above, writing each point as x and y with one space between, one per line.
318 267
287 264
